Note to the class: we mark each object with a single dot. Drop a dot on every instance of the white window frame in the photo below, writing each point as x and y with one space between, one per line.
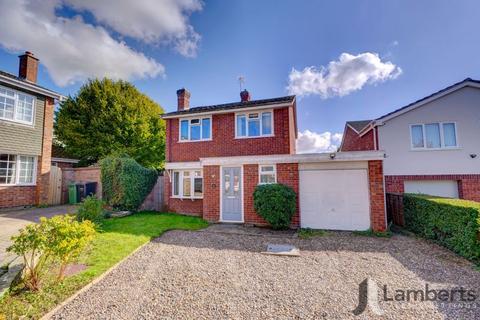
260 173
15 106
442 138
192 184
17 170
189 128
260 112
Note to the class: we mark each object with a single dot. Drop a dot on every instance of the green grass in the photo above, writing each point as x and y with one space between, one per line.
308 233
371 233
116 239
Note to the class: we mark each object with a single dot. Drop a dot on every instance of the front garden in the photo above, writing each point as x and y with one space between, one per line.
115 239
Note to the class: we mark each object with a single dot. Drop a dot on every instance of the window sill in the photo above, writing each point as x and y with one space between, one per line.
19 185
264 136
186 141
186 198
436 149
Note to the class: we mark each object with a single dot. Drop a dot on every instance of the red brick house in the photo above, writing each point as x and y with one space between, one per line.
26 121
216 156
431 145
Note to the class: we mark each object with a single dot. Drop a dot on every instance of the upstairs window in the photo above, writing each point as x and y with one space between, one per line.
254 124
437 135
187 184
16 106
196 129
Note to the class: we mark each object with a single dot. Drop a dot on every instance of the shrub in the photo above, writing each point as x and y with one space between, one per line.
59 238
276 203
125 183
66 239
90 209
452 223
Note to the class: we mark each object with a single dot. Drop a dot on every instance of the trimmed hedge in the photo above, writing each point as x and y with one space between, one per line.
276 203
453 223
125 183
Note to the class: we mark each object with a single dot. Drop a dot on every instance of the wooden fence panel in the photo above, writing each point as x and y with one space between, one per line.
55 186
395 209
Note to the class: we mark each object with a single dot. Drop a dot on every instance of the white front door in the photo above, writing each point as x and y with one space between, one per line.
334 199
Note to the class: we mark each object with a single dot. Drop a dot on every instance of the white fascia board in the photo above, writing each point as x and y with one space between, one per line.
31 87
295 158
183 165
232 110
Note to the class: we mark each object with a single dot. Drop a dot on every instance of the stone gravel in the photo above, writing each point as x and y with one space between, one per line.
222 274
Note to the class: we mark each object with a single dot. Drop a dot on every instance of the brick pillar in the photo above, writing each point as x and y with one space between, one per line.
211 193
377 196
45 160
287 174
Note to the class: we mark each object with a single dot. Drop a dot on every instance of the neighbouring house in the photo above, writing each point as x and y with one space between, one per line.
216 156
26 122
432 145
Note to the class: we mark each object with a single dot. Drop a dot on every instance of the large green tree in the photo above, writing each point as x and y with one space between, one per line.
111 117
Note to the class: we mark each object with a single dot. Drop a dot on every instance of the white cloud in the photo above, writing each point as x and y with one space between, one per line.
313 142
151 21
349 73
72 49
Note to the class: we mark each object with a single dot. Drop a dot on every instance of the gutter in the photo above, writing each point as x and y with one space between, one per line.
33 88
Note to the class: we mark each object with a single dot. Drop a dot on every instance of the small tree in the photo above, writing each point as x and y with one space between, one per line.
108 117
276 203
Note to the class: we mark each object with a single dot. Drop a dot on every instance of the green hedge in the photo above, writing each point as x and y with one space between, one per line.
452 223
125 183
276 203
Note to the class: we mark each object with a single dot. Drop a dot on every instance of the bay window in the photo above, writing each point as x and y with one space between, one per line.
187 184
267 174
437 135
196 129
254 124
17 170
16 106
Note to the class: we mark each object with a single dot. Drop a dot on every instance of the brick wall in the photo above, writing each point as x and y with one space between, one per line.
468 184
287 174
211 193
377 196
183 206
44 161
352 141
250 181
80 175
224 143
17 196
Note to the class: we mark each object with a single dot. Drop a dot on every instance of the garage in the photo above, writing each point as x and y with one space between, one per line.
334 196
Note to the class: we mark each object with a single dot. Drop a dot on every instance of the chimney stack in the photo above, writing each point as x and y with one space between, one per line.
28 67
245 96
183 98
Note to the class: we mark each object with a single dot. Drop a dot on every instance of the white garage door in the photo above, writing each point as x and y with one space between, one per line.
447 188
334 199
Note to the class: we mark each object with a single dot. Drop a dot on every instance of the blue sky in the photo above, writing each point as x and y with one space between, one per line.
397 51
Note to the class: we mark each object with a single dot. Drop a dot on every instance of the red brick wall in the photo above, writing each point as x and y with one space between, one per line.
352 141
287 174
211 193
377 196
250 181
17 196
468 184
44 161
80 175
183 206
63 165
224 143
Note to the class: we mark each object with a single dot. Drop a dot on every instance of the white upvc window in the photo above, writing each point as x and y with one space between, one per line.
16 106
435 135
187 184
17 169
195 129
254 124
267 174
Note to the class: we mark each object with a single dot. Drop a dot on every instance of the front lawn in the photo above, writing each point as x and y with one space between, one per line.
117 238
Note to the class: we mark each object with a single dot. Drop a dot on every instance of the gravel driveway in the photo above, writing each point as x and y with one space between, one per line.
220 273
